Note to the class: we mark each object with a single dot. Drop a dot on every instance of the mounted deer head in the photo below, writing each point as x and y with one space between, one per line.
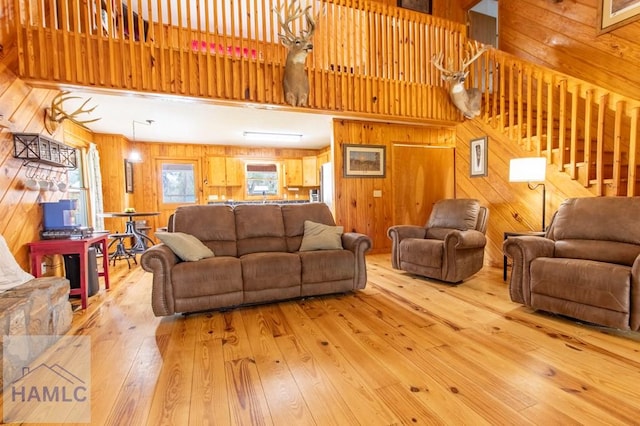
469 101
55 115
295 82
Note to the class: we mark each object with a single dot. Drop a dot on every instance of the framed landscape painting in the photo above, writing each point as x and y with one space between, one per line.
364 160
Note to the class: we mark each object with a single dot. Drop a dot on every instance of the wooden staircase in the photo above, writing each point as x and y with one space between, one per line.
583 130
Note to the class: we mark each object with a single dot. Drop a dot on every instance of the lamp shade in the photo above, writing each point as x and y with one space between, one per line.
529 169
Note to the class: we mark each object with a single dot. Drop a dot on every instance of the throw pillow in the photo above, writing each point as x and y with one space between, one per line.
185 246
318 236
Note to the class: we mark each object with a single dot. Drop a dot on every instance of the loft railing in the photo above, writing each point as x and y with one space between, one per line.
373 59
588 132
368 58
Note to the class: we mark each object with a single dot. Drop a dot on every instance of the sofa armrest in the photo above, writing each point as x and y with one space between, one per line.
159 260
359 244
522 250
399 232
634 320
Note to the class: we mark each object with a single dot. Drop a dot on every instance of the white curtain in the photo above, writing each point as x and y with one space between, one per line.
95 187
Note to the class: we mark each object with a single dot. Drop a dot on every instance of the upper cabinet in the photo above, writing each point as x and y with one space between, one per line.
310 171
225 171
292 172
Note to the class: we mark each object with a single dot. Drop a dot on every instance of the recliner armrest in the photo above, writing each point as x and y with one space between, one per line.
399 232
159 260
523 250
465 239
359 244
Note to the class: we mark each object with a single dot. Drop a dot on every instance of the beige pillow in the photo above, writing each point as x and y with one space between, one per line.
185 246
318 236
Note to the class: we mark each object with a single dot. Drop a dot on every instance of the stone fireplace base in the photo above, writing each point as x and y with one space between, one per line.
38 307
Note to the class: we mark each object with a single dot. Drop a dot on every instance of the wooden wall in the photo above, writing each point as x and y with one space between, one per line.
512 206
114 149
356 208
564 36
20 212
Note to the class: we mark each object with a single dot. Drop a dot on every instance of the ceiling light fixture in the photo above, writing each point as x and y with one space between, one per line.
272 137
134 154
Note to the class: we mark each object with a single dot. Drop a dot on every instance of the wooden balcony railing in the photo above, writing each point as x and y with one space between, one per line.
588 132
374 59
368 59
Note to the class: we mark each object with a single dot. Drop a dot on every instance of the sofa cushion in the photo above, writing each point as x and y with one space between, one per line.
270 276
586 282
458 213
602 251
318 236
207 277
259 228
294 216
327 265
418 251
185 246
214 225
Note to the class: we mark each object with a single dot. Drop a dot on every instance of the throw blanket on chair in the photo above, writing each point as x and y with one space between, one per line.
11 275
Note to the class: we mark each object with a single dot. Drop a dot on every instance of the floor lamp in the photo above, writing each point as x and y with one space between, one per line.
531 169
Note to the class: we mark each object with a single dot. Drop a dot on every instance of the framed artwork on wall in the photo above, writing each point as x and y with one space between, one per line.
128 176
364 160
423 6
613 14
478 157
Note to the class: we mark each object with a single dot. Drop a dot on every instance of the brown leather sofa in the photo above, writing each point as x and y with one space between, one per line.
450 247
256 258
587 267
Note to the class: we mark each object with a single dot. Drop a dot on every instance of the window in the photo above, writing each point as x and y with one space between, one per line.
262 179
77 190
178 183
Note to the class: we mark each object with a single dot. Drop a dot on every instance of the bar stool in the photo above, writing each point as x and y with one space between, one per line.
121 251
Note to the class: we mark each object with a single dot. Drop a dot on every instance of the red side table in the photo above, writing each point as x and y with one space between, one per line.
79 246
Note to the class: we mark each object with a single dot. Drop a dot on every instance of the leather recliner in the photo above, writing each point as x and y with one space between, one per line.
450 247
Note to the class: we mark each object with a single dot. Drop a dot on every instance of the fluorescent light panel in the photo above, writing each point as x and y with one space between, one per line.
272 137
529 169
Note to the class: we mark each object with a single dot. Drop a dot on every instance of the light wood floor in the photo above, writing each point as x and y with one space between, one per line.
405 350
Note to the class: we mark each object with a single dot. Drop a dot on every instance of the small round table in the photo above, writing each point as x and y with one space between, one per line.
140 239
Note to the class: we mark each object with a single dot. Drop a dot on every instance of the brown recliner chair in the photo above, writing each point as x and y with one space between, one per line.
450 247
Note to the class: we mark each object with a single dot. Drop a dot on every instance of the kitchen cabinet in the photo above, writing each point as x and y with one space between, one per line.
292 172
225 171
310 171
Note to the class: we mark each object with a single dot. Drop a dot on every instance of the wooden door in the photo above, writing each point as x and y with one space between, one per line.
179 182
422 175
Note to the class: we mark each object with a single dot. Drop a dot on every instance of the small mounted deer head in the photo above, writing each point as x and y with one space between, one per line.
468 101
295 81
55 115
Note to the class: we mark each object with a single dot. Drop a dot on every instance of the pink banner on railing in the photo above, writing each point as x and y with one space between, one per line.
214 48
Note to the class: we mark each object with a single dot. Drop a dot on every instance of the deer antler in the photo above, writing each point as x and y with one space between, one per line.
292 12
55 114
437 61
471 47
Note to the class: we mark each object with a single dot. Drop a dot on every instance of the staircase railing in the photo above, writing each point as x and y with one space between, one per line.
586 131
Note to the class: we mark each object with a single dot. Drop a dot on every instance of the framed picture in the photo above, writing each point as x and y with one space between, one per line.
364 160
478 157
128 176
616 13
423 6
